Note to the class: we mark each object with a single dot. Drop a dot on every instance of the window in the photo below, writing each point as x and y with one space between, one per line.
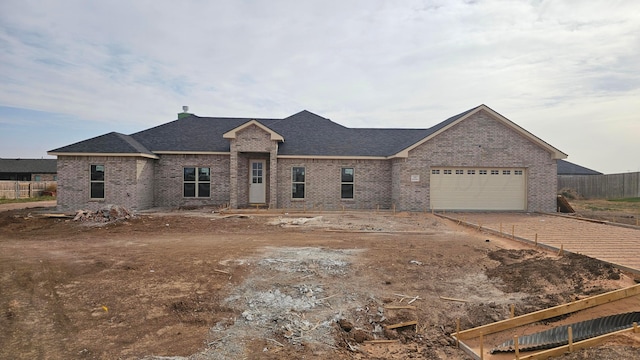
297 182
346 186
256 172
197 182
495 172
435 172
483 172
506 172
38 178
459 172
471 172
97 181
517 172
447 172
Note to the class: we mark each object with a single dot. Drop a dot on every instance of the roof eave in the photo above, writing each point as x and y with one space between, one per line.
150 156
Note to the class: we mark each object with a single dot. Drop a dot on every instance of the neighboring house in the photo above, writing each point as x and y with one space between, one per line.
28 169
476 160
568 168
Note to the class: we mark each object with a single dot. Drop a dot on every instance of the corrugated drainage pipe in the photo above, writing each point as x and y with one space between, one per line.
582 330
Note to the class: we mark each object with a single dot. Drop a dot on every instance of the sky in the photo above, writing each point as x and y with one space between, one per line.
567 71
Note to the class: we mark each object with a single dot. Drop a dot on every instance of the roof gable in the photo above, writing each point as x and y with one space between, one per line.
452 121
231 134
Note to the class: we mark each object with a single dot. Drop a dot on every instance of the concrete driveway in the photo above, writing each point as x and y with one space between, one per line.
617 245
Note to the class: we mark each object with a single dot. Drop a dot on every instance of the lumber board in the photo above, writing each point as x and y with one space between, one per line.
453 299
399 307
551 312
381 341
402 324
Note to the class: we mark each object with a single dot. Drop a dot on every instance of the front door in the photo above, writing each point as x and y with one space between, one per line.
257 188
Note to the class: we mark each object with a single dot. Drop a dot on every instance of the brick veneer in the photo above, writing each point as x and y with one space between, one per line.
252 142
169 181
478 141
372 184
128 182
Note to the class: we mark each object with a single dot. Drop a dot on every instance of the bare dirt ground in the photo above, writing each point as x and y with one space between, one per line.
622 212
265 285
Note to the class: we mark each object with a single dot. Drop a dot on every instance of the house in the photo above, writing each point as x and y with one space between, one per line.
569 168
28 169
476 160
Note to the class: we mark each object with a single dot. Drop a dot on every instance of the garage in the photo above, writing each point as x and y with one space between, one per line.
478 188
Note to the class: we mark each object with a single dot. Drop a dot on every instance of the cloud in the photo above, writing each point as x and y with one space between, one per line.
360 63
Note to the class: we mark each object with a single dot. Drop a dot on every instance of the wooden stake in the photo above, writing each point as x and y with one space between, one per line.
536 239
513 232
513 310
570 330
481 346
402 324
561 252
458 332
635 327
516 346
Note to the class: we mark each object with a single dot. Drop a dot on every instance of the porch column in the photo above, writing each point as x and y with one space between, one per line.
273 177
233 175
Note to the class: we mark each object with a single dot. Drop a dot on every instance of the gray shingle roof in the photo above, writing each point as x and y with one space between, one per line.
192 133
111 143
569 168
43 166
304 133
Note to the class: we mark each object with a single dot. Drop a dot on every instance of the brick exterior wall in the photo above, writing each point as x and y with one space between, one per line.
169 180
372 184
128 182
252 142
478 141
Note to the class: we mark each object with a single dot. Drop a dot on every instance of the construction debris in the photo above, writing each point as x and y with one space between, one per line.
564 206
109 213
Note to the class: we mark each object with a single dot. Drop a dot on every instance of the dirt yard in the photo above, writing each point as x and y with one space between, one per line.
252 285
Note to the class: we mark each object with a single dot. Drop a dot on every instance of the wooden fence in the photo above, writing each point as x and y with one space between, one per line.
23 189
613 186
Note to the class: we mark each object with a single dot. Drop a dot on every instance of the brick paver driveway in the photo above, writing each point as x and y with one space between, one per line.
613 244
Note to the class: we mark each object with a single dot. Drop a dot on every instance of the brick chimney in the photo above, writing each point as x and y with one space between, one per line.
184 112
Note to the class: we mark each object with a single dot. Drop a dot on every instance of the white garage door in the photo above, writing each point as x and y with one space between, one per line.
478 189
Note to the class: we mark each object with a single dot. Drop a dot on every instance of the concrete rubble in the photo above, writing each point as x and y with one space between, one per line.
109 213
